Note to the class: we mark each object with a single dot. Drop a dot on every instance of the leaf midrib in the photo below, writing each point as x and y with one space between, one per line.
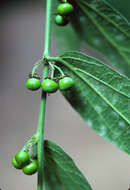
67 171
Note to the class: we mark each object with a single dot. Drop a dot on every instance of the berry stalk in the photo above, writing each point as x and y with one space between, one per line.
43 99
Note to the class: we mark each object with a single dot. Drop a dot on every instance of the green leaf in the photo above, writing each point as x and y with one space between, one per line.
100 95
105 30
122 6
61 173
65 36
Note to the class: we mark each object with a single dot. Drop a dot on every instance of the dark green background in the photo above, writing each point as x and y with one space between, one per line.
121 5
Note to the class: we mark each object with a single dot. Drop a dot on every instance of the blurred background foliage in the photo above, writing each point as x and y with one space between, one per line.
123 6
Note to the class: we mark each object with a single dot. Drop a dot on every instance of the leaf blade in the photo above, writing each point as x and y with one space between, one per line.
61 173
101 96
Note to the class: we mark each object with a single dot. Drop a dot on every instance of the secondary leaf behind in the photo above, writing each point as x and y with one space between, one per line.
122 6
105 30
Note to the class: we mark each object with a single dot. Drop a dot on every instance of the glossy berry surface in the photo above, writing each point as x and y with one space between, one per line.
15 164
22 158
33 84
49 85
30 168
61 21
65 9
65 83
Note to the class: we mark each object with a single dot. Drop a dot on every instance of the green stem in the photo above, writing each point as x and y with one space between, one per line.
60 70
36 66
41 136
48 28
52 70
43 99
30 143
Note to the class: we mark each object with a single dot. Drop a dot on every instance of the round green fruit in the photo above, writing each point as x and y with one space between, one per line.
30 168
65 83
61 21
15 164
65 9
22 158
33 84
49 85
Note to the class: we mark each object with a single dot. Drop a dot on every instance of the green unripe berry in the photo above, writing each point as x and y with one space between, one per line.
65 9
65 83
49 85
33 84
30 168
15 164
61 21
22 158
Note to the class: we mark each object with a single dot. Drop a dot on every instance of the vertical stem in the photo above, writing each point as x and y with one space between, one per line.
41 137
48 28
43 99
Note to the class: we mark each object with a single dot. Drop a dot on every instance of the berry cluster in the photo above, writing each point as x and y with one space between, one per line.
63 11
49 85
22 161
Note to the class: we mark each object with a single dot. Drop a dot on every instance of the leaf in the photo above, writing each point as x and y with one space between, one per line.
61 173
105 30
122 6
100 95
65 36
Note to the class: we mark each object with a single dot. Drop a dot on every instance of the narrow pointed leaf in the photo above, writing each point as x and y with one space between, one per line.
105 30
61 173
101 96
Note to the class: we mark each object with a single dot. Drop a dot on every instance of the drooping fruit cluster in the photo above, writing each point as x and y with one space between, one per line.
49 85
22 161
63 11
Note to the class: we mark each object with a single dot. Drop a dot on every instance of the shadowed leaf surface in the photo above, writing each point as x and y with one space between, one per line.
105 30
122 6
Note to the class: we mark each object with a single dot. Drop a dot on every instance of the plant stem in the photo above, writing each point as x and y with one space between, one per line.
48 28
43 99
41 137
